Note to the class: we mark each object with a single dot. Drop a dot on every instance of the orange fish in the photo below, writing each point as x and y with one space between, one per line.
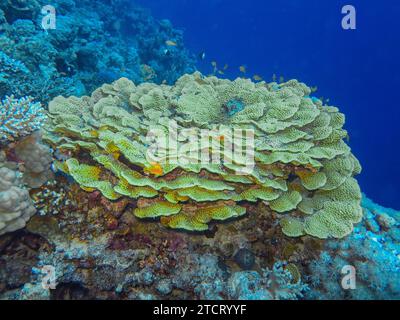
112 149
94 133
154 169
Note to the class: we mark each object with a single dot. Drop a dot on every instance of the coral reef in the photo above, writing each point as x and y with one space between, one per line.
92 270
19 118
373 250
302 169
16 206
67 61
275 284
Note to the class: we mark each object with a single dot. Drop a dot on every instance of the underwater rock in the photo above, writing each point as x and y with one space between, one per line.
272 284
245 259
374 254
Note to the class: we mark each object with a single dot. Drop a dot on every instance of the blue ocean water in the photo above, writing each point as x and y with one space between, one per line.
358 70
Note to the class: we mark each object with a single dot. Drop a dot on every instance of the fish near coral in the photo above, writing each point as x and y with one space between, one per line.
154 169
303 169
171 43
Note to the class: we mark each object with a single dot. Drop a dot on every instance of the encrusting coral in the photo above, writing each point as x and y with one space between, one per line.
303 170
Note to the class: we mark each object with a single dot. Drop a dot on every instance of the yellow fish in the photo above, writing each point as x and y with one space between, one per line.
256 77
171 43
242 69
103 128
94 133
154 169
112 149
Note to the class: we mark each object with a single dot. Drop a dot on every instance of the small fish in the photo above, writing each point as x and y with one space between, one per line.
256 77
154 169
202 55
94 133
281 79
171 43
226 66
221 72
167 52
103 128
112 149
274 77
314 89
164 81
242 69
214 64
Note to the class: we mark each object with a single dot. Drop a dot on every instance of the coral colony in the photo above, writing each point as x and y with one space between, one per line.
130 176
303 169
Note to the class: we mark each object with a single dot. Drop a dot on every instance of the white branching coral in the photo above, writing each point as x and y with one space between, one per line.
16 206
19 118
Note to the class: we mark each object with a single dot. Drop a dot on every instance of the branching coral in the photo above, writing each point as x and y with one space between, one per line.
19 118
302 168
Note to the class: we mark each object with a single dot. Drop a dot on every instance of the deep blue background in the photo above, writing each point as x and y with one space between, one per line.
358 70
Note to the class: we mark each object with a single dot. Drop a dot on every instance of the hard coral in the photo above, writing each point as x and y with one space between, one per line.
16 207
303 170
19 118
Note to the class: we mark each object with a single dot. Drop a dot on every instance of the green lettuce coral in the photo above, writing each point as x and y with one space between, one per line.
302 169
